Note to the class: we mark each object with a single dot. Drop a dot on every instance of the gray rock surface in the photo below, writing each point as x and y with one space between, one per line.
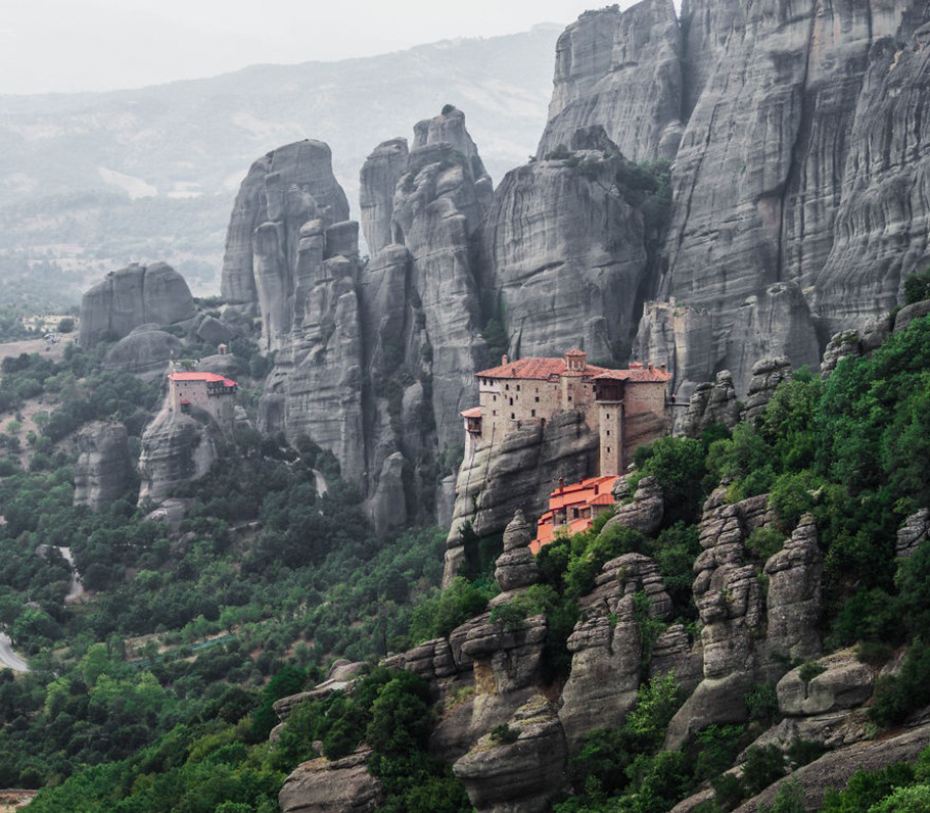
606 647
133 296
520 475
621 70
914 532
711 404
289 186
644 512
767 374
844 683
565 256
729 600
794 605
177 448
834 770
338 786
146 353
516 567
520 776
103 470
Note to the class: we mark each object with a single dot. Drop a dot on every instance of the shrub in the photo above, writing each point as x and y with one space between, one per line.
917 287
765 543
762 702
504 734
896 697
763 766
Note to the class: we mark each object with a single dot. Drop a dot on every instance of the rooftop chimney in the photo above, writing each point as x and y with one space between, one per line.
505 359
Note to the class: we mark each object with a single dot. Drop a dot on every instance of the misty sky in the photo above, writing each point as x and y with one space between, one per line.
74 45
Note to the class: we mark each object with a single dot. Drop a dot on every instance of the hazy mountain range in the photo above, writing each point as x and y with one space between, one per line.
97 180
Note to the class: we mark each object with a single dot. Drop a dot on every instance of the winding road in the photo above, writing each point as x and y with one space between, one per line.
8 657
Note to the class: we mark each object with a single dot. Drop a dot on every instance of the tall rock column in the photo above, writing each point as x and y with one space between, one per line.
292 257
419 297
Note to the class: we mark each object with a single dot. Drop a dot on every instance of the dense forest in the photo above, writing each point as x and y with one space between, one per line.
157 693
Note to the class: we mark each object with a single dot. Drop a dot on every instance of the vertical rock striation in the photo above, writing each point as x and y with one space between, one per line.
103 470
621 70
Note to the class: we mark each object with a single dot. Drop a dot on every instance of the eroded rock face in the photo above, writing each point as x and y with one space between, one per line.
811 221
914 532
285 189
103 469
338 786
767 374
712 404
520 475
520 776
645 512
729 599
292 257
843 684
565 257
177 448
794 605
606 647
133 296
620 70
512 656
516 566
146 353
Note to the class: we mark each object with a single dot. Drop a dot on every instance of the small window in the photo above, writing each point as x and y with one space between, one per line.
608 433
513 417
608 450
494 413
569 398
506 386
537 401
533 413
518 388
495 401
511 402
608 414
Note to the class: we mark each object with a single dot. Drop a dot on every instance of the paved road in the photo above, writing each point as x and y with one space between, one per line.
8 657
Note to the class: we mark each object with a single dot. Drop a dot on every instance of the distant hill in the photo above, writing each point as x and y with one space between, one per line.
96 180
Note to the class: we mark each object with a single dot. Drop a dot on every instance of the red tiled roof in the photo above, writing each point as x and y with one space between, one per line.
634 375
536 370
472 413
210 378
572 496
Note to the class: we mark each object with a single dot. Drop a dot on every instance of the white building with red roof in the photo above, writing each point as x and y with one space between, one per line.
207 391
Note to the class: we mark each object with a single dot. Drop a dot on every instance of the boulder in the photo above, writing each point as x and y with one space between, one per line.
133 296
843 684
712 404
644 512
516 566
767 374
337 786
146 352
523 775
